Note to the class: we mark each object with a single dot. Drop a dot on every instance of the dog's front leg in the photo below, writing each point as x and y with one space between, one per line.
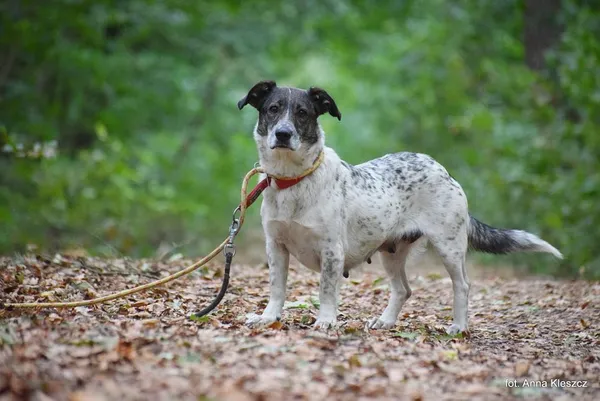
332 266
279 259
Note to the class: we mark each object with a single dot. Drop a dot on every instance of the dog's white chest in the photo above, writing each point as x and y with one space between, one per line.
301 241
289 220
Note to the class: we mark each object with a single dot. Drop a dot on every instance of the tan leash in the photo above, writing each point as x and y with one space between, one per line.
227 245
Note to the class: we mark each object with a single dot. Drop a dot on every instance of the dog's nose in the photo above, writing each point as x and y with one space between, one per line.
283 135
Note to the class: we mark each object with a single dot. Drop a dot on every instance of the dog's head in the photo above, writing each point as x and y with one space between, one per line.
287 117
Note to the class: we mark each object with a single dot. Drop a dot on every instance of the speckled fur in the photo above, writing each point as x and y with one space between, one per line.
338 217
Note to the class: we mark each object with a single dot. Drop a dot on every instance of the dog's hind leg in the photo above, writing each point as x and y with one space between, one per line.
394 264
452 249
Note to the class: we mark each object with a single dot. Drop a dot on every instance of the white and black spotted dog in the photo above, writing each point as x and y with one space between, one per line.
340 215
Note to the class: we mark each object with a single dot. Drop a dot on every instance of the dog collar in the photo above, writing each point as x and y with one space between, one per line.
286 182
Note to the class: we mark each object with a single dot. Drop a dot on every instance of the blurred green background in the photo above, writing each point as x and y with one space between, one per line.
119 132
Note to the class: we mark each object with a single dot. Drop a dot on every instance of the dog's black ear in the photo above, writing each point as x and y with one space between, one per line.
323 102
257 95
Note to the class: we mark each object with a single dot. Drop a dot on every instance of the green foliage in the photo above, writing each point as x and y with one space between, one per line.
149 148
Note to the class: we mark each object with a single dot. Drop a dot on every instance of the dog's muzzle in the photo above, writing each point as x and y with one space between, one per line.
283 137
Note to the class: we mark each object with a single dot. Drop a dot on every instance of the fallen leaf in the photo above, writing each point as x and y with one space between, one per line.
296 305
522 368
354 362
85 396
125 350
315 302
407 335
378 281
450 355
54 317
199 319
434 276
151 322
307 319
276 325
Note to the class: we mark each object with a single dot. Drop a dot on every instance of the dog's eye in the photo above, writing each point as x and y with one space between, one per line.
302 113
274 108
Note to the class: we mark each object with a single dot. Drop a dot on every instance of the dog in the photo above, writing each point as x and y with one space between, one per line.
340 215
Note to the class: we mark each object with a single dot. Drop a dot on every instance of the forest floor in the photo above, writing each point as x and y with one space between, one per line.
145 347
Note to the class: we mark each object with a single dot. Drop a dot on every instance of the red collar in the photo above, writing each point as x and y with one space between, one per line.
282 182
285 183
265 183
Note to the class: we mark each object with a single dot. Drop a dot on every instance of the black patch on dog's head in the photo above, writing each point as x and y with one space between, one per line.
299 107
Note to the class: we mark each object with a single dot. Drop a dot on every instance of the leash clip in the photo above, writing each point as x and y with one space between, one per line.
234 228
235 224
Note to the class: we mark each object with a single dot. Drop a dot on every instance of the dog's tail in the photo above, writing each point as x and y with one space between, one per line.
501 241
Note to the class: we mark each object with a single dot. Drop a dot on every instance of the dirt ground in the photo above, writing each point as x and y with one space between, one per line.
531 338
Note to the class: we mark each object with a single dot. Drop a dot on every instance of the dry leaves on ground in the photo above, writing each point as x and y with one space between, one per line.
146 347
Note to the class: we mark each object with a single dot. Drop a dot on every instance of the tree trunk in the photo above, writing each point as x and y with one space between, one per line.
541 31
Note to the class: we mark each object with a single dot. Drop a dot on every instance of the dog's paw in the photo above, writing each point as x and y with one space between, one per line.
254 320
325 324
378 323
455 329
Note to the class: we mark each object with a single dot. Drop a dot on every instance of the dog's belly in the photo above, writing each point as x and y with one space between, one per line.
304 244
358 251
301 241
